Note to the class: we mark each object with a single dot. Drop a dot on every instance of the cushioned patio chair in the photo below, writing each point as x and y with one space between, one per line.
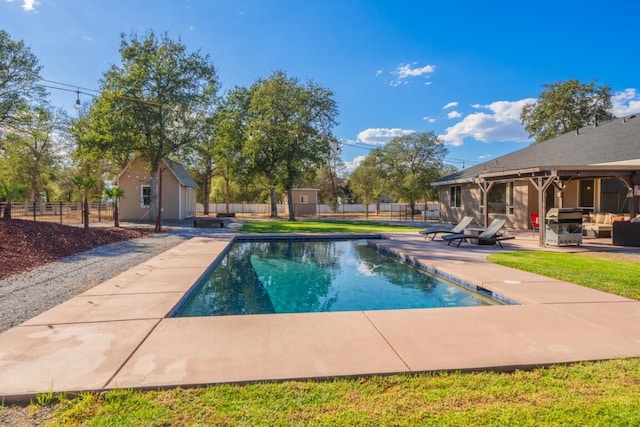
490 236
459 228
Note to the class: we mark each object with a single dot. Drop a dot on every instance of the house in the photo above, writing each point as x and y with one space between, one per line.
178 192
595 169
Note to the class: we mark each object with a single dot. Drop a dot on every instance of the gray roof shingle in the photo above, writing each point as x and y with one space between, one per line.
614 141
181 173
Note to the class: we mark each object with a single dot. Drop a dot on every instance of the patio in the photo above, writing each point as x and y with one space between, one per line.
115 335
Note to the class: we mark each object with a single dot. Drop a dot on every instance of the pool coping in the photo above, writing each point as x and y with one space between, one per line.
117 334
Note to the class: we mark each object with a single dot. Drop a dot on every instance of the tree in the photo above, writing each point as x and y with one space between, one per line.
327 178
87 186
566 106
220 150
19 74
290 130
160 95
10 192
228 157
410 163
36 143
366 181
114 194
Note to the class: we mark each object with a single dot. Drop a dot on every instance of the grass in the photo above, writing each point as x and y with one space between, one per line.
588 393
600 393
619 277
325 227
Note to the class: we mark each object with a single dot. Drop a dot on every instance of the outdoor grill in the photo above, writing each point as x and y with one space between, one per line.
563 227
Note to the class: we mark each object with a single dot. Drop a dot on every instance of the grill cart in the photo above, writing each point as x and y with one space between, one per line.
563 227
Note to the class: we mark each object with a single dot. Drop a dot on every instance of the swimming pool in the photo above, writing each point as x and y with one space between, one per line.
277 276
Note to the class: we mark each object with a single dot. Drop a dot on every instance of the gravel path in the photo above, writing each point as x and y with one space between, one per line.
26 295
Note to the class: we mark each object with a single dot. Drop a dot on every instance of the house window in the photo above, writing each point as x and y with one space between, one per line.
455 196
497 198
510 198
304 198
145 196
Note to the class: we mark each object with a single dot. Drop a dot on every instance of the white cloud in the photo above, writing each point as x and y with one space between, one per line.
626 102
450 105
454 114
501 123
485 156
379 72
380 136
406 71
349 167
28 5
429 119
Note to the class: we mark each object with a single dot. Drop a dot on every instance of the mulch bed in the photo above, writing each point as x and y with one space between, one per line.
25 245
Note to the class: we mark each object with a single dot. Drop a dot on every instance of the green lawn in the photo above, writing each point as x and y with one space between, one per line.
619 277
600 393
325 227
605 393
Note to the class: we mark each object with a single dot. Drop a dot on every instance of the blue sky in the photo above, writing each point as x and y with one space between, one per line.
460 69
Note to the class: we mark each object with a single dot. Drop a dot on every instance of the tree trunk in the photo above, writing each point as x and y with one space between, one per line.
366 208
7 210
274 203
227 194
153 208
85 213
116 220
159 209
206 186
292 210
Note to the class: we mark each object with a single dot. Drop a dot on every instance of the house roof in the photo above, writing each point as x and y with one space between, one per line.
176 169
611 145
181 174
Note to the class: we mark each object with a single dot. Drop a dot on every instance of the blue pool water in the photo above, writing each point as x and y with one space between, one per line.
317 276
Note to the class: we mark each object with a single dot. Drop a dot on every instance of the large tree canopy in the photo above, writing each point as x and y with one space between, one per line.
566 106
410 163
290 126
19 74
36 145
159 98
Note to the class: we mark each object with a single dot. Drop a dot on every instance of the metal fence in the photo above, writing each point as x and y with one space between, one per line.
69 213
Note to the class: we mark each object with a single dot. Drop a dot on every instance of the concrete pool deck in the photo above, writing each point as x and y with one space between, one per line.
116 334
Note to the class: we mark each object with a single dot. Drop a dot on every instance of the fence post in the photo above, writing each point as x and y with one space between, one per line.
60 212
34 211
99 212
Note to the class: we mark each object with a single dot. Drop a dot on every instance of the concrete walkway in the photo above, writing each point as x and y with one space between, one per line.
116 334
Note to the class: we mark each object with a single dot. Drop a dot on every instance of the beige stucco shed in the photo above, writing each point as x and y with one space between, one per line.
178 192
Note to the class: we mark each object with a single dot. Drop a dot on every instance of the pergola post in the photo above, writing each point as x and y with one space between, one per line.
485 187
542 184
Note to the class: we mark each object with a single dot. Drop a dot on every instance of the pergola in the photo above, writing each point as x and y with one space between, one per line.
557 177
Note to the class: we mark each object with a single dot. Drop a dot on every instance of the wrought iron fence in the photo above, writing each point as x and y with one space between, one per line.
69 213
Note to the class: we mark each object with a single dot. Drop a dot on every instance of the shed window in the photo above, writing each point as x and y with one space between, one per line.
304 198
455 196
145 196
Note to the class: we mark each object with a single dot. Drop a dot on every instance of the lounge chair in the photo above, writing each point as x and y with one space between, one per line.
490 236
452 230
